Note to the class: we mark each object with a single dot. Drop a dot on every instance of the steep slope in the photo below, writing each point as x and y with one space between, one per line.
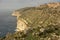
43 15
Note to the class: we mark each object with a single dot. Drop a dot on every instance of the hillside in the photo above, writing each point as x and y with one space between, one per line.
43 22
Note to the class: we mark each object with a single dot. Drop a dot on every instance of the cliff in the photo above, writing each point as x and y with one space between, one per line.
37 23
42 15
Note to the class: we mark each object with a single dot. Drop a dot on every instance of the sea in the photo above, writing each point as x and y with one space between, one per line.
7 22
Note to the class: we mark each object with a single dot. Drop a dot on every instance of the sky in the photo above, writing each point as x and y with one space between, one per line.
16 4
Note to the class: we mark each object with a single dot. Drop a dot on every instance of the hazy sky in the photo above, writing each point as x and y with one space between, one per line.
16 4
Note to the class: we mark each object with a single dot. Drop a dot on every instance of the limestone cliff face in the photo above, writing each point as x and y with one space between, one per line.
43 15
21 23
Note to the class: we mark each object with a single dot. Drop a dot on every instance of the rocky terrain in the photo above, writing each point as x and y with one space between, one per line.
37 23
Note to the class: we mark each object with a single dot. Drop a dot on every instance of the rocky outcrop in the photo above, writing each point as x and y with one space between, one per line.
54 5
32 17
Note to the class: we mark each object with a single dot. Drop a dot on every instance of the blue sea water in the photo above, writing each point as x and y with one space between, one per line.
7 22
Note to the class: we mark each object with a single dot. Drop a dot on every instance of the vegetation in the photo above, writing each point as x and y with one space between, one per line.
51 32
